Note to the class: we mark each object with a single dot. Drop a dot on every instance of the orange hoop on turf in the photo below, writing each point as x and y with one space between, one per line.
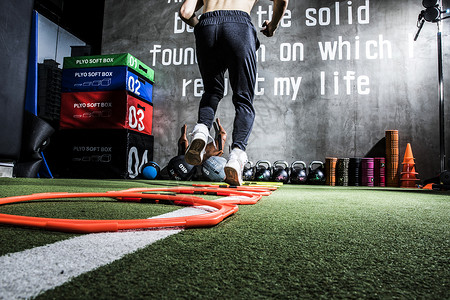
90 226
259 188
225 207
234 196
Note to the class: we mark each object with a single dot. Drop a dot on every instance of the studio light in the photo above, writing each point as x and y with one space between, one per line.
431 14
434 12
430 3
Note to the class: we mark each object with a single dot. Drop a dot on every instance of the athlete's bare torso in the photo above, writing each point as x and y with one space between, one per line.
244 5
189 7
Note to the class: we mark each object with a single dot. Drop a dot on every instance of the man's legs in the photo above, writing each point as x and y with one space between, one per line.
226 40
212 70
241 63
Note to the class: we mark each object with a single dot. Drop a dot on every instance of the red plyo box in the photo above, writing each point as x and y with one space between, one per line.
107 110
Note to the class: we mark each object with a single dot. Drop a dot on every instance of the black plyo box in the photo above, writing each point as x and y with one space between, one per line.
102 153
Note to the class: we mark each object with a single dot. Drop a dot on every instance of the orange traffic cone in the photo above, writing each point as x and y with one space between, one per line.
408 175
408 158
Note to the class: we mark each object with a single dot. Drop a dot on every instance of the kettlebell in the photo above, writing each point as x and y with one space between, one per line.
298 172
249 172
280 171
444 178
263 170
316 175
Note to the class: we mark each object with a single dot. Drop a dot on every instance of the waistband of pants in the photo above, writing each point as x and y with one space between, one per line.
219 16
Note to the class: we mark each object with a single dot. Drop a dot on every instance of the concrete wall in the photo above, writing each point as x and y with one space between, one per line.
54 42
15 27
335 77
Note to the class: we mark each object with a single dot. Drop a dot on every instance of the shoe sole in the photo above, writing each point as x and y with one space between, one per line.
194 155
231 176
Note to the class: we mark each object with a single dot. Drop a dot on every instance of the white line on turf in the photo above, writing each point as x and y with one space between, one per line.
31 272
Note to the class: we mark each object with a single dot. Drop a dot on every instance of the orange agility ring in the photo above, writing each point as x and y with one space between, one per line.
233 196
263 190
90 226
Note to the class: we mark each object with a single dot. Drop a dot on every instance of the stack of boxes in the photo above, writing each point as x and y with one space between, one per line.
106 116
49 91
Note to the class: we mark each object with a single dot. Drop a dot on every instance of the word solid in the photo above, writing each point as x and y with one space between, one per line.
324 17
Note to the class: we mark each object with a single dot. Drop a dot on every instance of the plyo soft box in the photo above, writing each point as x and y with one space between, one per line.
107 110
110 60
103 153
106 79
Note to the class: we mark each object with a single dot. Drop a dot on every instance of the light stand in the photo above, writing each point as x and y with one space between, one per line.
433 13
441 94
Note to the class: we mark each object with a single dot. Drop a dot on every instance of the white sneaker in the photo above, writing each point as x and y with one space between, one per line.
235 167
196 150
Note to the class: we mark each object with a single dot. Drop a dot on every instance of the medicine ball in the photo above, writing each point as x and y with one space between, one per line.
150 170
213 169
179 169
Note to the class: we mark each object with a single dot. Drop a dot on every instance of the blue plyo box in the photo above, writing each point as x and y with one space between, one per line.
106 79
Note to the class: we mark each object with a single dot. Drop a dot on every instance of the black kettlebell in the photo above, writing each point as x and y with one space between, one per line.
280 171
263 170
249 172
444 178
316 175
298 172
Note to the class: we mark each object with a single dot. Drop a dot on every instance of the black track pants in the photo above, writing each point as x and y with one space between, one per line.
227 40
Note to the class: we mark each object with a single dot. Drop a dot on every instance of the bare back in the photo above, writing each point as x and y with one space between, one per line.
244 5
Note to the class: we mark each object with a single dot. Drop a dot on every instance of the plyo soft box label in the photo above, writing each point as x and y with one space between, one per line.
110 60
105 153
112 110
139 116
106 79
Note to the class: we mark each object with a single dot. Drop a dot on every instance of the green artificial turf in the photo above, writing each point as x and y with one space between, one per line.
80 208
302 242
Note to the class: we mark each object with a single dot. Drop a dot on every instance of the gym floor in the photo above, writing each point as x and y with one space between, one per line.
302 241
